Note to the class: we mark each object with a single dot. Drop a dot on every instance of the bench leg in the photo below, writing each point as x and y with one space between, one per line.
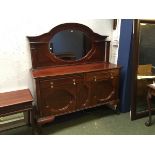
149 96
32 121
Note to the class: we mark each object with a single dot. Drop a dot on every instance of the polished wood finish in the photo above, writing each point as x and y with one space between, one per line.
135 62
15 102
61 70
135 68
41 55
100 86
15 97
64 87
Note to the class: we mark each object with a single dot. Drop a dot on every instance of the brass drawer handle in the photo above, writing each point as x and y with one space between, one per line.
74 82
52 84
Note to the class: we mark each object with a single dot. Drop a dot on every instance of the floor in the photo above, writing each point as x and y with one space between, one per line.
98 121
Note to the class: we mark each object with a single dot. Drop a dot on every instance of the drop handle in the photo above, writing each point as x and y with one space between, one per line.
112 76
74 82
95 78
52 84
47 106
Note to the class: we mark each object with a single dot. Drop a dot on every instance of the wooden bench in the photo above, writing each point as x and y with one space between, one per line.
15 102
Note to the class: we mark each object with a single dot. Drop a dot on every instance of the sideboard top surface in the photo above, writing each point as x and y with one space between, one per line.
72 69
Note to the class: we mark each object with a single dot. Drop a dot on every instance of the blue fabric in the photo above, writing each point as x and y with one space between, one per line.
124 59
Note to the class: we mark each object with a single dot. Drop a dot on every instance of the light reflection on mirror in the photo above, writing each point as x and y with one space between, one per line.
146 67
70 45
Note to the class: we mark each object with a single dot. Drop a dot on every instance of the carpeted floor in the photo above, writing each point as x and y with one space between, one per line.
98 121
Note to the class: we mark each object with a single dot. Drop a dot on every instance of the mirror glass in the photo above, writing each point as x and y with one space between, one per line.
70 45
146 64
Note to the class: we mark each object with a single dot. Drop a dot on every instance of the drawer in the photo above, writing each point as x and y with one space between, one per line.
115 72
16 108
99 75
54 82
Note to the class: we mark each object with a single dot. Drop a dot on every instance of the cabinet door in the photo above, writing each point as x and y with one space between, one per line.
84 95
57 96
105 91
104 86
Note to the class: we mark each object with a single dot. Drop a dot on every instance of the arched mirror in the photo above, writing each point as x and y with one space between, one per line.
70 45
143 65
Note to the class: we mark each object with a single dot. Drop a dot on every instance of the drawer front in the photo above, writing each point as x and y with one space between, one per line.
55 82
16 108
115 72
99 75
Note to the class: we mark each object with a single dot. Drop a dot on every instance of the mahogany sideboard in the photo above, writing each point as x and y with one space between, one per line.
67 82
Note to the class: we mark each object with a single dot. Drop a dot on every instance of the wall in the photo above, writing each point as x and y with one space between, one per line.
115 43
15 60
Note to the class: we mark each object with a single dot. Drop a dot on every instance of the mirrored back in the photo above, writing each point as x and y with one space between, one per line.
70 45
